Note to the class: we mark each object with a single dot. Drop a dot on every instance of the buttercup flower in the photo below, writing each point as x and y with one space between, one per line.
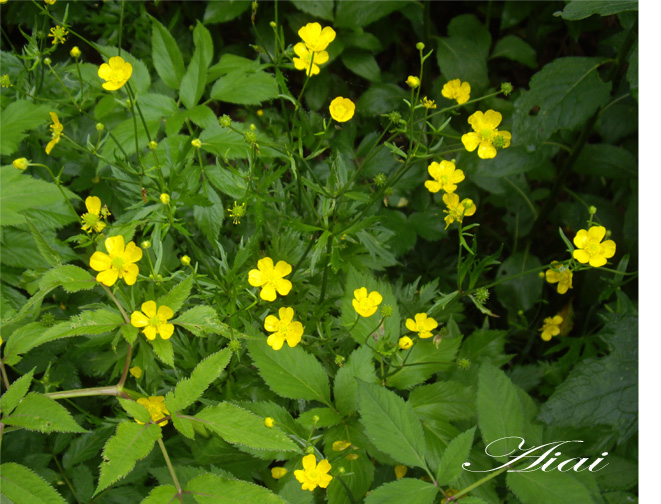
560 274
315 38
422 324
342 109
305 58
92 220
427 103
400 471
116 72
157 409
136 371
366 305
269 422
56 132
270 278
20 163
405 342
551 327
485 134
413 81
118 263
313 474
153 321
341 445
278 472
445 176
457 90
58 33
283 329
457 210
590 249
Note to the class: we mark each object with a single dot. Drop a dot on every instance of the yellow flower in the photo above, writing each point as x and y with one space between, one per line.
315 38
153 321
50 2
116 72
306 58
278 472
560 274
185 260
405 342
56 132
456 90
156 407
58 33
457 211
118 264
269 422
197 143
413 81
400 471
92 219
165 198
366 305
445 176
270 278
428 104
75 52
342 109
236 212
20 163
422 324
551 327
136 371
283 329
590 249
313 474
485 134
341 445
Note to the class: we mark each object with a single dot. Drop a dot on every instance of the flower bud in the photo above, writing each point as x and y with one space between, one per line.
250 137
352 456
100 127
185 260
269 422
592 210
165 198
482 294
75 52
136 371
278 472
47 320
145 244
339 360
413 81
225 121
153 145
197 143
47 61
315 418
386 311
506 88
420 46
21 163
272 24
253 127
234 345
309 450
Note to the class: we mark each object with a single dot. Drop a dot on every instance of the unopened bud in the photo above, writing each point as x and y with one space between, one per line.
197 143
592 210
506 88
153 145
100 127
75 52
386 311
420 46
185 260
165 198
145 244
225 121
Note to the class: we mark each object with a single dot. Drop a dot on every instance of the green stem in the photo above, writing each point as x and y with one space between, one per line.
477 484
324 281
57 183
4 374
64 476
112 390
66 90
171 469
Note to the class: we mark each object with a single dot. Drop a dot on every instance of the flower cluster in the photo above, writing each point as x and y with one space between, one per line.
457 210
421 324
311 52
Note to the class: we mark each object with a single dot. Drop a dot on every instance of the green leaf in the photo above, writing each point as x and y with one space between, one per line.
362 63
166 55
50 255
195 79
17 118
191 389
424 359
581 9
209 218
523 292
358 365
200 320
446 400
290 372
391 424
327 418
358 476
243 88
322 9
499 410
16 392
221 12
409 490
454 456
563 95
71 278
20 484
135 409
516 49
605 160
184 425
238 426
213 489
361 14
129 332
43 414
163 350
176 296
230 145
132 442
161 494
632 72
547 488
381 99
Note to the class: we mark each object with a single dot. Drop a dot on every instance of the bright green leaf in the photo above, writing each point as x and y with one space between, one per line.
409 490
40 413
166 55
16 392
454 457
20 484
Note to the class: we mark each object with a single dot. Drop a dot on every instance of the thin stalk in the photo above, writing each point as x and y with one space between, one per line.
64 476
112 390
66 90
477 484
171 469
324 281
57 183
4 374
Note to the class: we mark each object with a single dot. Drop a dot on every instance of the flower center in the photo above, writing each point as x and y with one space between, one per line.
444 179
155 321
90 219
365 304
593 248
313 475
486 133
340 110
117 263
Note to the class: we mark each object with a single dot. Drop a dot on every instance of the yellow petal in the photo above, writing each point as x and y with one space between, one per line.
283 286
111 86
433 186
301 51
295 334
132 253
150 332
492 119
115 246
375 297
282 269
149 308
130 273
268 293
596 261
360 294
507 136
138 319
608 248
255 278
581 256
165 330
164 313
597 233
470 141
486 151
411 325
434 170
108 277
271 323
105 71
93 205
581 239
100 261
265 264
309 462
275 341
286 314
320 57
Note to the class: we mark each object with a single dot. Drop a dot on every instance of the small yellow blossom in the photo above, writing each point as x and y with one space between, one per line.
342 109
270 278
400 471
560 274
5 81
485 134
50 2
422 324
365 305
427 103
165 198
269 422
590 249
118 263
185 260
153 320
405 342
316 39
75 52
456 210
341 445
283 329
313 474
59 34
56 132
457 90
116 72
551 327
20 163
157 409
92 219
413 81
236 212
445 176
278 472
136 371
197 143
307 58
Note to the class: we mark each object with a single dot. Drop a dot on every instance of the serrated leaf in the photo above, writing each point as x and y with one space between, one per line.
238 426
213 489
391 424
318 8
424 359
523 292
243 88
454 456
176 296
195 79
50 256
43 414
163 350
135 409
183 425
358 476
160 495
447 400
16 392
209 218
16 119
581 9
358 365
166 55
291 372
20 484
200 320
539 487
129 332
409 490
71 278
605 160
131 443
191 389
